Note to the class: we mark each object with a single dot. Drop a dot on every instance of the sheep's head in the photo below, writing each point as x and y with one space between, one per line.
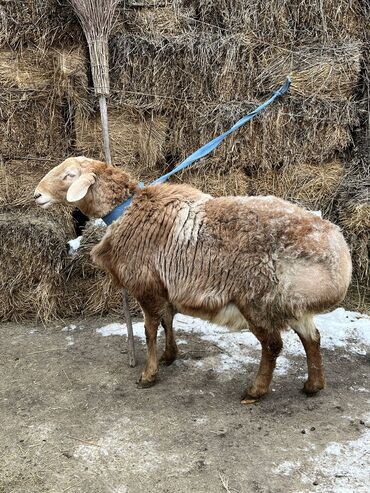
66 183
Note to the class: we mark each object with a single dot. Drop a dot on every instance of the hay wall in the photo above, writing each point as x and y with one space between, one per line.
182 71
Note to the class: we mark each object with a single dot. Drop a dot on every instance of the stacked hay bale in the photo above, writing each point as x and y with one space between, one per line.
42 78
182 72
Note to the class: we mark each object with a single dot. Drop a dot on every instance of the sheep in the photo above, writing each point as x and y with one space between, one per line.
253 262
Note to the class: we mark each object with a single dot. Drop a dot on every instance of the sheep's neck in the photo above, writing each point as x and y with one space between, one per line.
112 187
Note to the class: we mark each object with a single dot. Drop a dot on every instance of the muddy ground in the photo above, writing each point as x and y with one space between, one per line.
73 420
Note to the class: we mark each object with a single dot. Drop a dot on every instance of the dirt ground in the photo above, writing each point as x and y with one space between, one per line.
73 420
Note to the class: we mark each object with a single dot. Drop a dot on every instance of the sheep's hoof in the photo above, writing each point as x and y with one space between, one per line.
247 400
167 359
145 384
311 388
252 395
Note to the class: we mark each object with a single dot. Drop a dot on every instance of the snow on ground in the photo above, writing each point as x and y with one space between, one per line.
70 341
117 329
342 467
339 328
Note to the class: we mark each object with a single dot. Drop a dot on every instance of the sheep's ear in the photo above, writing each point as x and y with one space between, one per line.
80 187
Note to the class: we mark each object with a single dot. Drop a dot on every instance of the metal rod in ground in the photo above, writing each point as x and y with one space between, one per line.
104 123
126 309
130 333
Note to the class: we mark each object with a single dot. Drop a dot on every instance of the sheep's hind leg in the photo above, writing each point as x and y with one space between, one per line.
149 375
170 353
310 338
271 346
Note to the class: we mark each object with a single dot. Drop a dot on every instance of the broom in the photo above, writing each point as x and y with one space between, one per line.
96 18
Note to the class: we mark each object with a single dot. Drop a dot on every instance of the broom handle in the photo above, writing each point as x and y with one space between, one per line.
108 158
104 122
130 332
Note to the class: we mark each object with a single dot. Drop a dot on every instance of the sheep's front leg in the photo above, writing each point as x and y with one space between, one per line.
170 353
271 347
149 375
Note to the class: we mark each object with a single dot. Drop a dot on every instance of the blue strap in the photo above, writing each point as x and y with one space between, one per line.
207 148
202 152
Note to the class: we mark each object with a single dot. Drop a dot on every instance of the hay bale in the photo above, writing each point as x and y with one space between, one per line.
153 19
290 131
199 85
136 137
57 72
320 71
39 23
18 180
354 215
31 282
313 187
26 70
161 71
31 124
216 184
91 291
40 91
285 21
70 75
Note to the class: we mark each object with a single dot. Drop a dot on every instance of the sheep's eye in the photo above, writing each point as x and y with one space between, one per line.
68 175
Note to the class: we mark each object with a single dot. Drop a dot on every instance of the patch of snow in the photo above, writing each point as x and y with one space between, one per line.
333 449
70 341
342 328
181 341
69 328
339 328
74 245
286 468
342 467
117 329
123 442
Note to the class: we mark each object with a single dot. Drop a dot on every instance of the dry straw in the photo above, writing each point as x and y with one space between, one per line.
138 138
31 285
182 72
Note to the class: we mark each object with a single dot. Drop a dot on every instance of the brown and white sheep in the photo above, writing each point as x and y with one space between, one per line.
257 262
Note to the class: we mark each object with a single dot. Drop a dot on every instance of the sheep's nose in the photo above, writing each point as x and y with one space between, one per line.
36 195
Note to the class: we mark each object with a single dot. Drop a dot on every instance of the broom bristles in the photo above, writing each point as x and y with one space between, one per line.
96 18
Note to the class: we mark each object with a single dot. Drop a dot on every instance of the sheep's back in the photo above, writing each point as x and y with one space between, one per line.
207 252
